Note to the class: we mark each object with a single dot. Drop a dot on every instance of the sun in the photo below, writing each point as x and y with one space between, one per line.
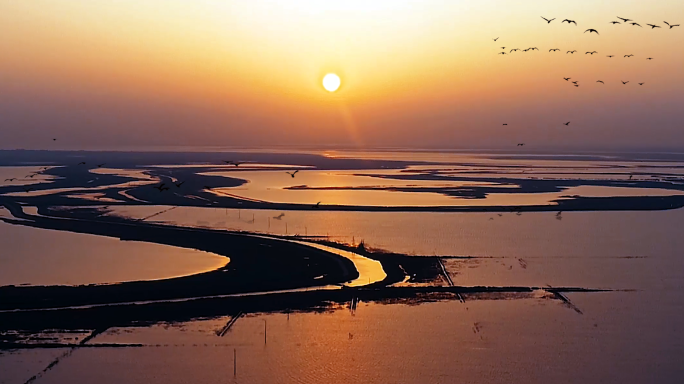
331 82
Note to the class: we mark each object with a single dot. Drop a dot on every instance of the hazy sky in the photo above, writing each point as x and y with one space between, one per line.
136 73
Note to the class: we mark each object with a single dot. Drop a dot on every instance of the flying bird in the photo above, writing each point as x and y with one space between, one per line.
671 25
555 49
496 39
534 48
502 53
54 139
573 52
576 85
653 26
567 78
505 124
569 21
279 217
160 187
623 19
590 30
514 49
615 22
624 82
235 163
641 83
503 47
27 189
81 163
574 82
610 56
521 144
293 173
637 24
600 81
566 124
547 20
101 165
12 179
591 53
629 55
318 205
178 185
649 58
558 215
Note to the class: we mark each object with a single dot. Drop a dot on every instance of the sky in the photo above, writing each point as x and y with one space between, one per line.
121 74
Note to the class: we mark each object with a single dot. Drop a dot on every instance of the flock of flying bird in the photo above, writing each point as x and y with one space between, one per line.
590 30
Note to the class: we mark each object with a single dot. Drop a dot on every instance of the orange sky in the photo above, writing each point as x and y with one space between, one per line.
118 74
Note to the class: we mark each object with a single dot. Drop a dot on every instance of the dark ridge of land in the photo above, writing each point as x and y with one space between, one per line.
315 300
256 264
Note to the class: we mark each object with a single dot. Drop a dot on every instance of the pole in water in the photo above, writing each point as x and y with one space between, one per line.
286 228
269 222
234 362
239 214
264 331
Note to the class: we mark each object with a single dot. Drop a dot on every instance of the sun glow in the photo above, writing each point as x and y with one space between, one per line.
331 82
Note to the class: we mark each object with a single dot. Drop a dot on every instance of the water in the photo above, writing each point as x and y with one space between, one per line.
45 257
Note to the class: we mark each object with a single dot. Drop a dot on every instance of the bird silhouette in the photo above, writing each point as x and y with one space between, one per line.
653 26
318 205
208 187
567 78
12 179
178 185
496 39
574 82
629 55
502 53
630 177
610 56
54 139
503 47
566 124
293 173
671 25
600 81
576 85
615 22
514 49
521 144
649 58
637 24
81 163
573 52
623 19
547 20
590 30
160 187
534 48
101 165
569 21
591 53
505 123
624 82
558 215
279 217
28 189
641 83
235 163
554 49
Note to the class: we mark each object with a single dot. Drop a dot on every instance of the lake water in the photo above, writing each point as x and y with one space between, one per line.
632 334
46 257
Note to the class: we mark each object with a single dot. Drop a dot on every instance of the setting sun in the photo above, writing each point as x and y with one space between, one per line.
331 82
